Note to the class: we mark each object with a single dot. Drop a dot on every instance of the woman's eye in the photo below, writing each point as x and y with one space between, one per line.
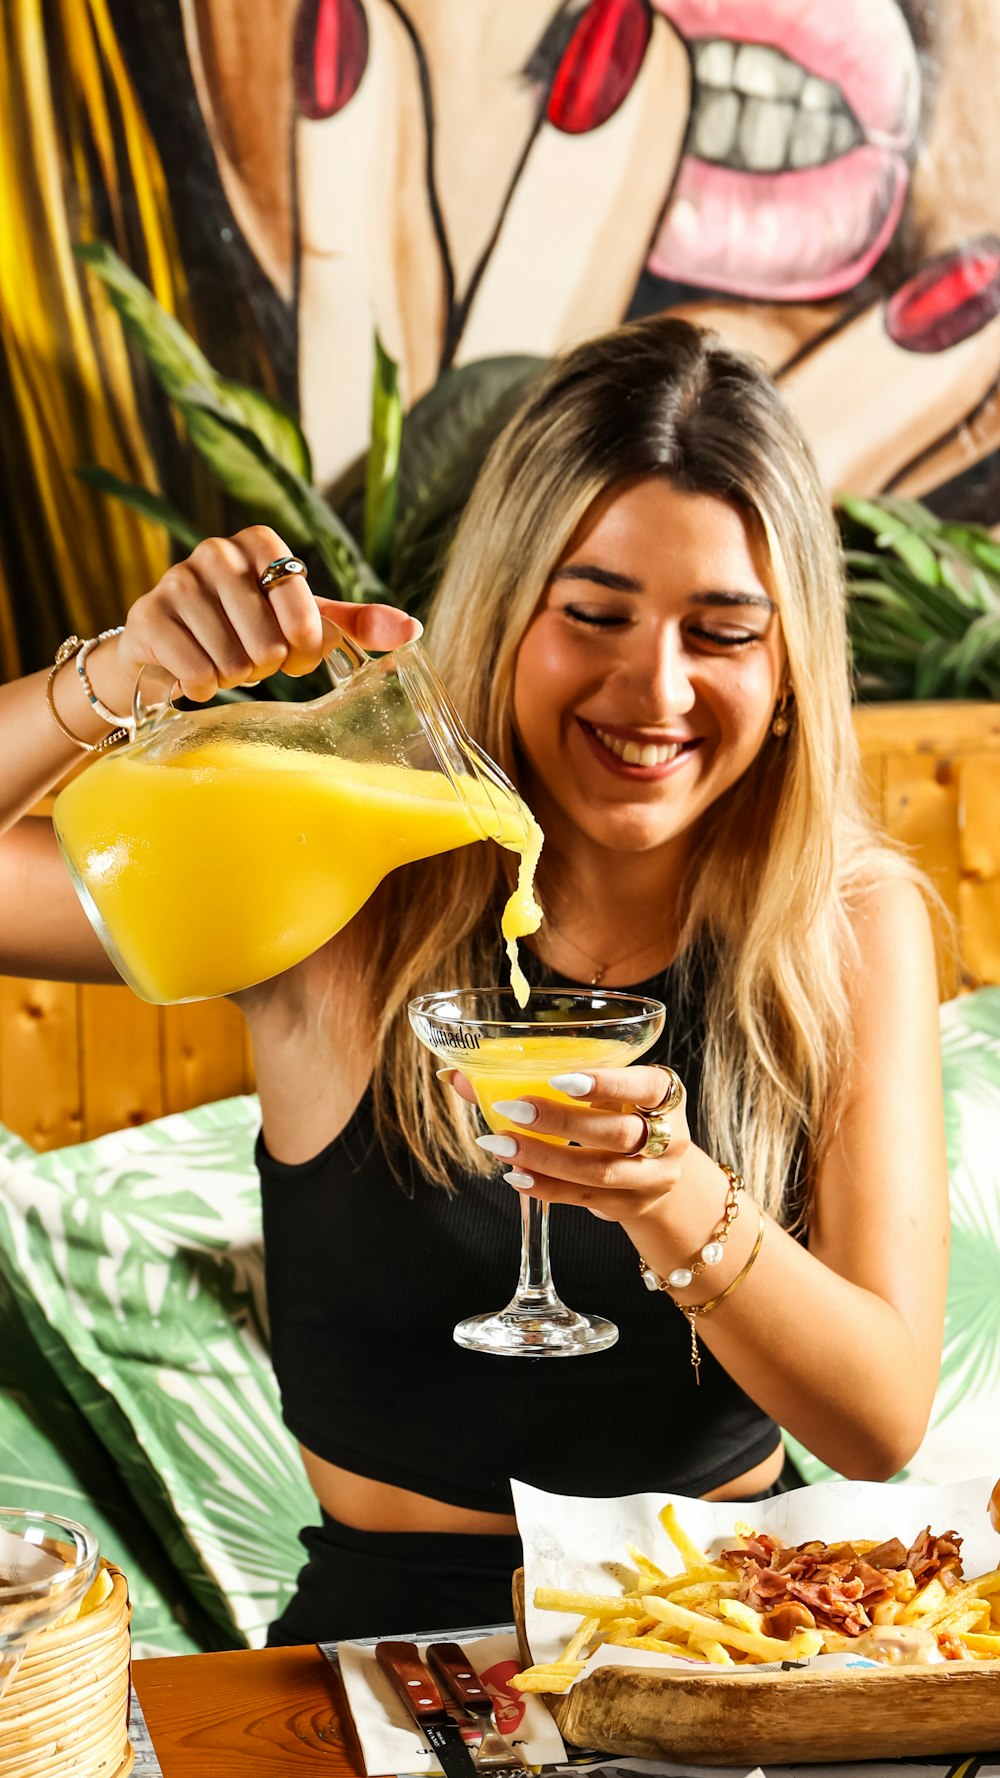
726 638
598 619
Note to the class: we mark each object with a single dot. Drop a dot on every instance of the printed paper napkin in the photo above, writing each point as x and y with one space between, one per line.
391 1743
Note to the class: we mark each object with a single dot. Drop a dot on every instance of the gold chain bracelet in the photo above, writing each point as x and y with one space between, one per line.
74 646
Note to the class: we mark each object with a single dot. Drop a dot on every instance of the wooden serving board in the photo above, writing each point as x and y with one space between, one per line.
716 1719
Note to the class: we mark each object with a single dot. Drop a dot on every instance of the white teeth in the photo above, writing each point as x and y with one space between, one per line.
756 110
716 125
634 753
713 62
764 131
767 74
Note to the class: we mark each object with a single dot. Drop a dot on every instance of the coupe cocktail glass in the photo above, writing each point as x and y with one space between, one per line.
46 1565
508 1052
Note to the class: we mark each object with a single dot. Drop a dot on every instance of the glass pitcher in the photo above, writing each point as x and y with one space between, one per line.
221 846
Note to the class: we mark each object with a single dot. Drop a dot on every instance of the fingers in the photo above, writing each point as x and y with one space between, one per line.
609 1087
208 624
590 1169
607 1128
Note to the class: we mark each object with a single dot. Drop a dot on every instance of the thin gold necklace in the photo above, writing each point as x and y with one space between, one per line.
600 969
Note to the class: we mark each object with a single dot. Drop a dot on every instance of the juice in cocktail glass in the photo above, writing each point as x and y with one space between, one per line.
509 1051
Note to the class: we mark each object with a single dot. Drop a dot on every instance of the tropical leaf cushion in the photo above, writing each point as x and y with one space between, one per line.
963 1438
137 1269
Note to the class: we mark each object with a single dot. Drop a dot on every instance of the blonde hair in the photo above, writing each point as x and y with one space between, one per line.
777 860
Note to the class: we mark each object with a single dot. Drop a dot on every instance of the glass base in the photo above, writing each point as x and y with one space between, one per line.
536 1330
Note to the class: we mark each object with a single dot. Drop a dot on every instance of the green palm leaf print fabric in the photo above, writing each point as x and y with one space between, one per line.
963 1438
136 1264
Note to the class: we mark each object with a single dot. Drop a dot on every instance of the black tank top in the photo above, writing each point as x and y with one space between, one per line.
366 1278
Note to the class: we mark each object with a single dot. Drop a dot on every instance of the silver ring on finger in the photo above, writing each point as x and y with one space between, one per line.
656 1139
285 568
671 1098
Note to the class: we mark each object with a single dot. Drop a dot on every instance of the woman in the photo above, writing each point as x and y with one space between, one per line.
644 615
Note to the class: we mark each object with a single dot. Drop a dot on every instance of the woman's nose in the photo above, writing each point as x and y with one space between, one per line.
664 672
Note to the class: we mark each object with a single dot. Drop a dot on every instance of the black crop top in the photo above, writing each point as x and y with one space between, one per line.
366 1279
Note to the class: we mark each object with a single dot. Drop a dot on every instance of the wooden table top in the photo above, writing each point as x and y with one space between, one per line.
265 1713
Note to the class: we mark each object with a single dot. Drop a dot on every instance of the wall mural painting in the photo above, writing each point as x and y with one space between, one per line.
817 181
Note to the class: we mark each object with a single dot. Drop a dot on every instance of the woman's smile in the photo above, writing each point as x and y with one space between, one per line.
637 755
648 676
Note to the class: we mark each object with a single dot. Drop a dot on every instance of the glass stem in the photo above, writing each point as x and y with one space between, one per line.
535 1281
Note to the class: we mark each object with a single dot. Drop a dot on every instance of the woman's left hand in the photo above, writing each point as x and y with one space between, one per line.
606 1172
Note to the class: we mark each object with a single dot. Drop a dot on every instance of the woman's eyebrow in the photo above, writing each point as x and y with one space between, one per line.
719 598
608 577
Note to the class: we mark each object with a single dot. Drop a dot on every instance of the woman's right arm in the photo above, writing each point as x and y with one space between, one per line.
209 626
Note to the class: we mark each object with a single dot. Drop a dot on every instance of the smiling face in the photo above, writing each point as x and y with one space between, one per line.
647 678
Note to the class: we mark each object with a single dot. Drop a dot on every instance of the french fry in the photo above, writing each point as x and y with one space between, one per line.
587 1604
644 1567
687 1549
743 1615
712 1651
577 1645
751 1642
657 1646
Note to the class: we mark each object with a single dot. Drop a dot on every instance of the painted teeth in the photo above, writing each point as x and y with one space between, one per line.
632 753
758 111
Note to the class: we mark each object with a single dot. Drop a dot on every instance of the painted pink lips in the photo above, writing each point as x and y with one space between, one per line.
795 170
642 774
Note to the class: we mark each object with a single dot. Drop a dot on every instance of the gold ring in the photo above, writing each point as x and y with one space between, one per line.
657 1138
283 569
671 1098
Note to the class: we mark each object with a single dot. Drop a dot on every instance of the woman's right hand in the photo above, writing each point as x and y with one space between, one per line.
208 624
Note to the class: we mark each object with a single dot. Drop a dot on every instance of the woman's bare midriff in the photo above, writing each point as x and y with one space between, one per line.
377 1506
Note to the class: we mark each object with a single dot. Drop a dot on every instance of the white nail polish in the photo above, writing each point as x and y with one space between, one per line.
503 1146
522 1182
517 1110
578 1086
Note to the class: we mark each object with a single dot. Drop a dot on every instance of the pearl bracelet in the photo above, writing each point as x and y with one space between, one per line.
710 1254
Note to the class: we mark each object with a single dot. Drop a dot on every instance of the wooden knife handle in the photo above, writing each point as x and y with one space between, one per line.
452 1664
401 1661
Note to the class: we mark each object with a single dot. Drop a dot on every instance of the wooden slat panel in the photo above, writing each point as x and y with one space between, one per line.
979 893
203 1054
121 1039
928 728
40 1062
922 810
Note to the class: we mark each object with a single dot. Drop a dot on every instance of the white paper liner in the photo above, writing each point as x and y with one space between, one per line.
580 1545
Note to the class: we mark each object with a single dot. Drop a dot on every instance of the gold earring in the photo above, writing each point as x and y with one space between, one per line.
781 725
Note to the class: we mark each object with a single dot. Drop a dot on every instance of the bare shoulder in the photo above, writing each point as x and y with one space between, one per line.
894 987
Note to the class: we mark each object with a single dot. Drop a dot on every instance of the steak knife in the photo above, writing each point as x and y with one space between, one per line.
401 1662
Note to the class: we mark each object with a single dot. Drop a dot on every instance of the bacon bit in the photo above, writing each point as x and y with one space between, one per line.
950 1645
784 1620
936 1556
831 1583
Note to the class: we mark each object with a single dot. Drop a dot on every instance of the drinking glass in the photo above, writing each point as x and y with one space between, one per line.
46 1565
508 1051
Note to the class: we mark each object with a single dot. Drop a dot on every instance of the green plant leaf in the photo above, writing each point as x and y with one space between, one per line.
446 436
142 500
313 519
178 363
382 471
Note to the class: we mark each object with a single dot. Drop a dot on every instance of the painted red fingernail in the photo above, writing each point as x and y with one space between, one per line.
948 300
329 55
599 65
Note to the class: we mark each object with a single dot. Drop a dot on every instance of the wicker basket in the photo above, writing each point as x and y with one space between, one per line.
65 1713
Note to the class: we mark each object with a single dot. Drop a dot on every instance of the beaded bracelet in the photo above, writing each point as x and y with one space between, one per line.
82 652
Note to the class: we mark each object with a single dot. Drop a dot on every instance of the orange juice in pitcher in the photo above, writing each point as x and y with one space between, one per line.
224 845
